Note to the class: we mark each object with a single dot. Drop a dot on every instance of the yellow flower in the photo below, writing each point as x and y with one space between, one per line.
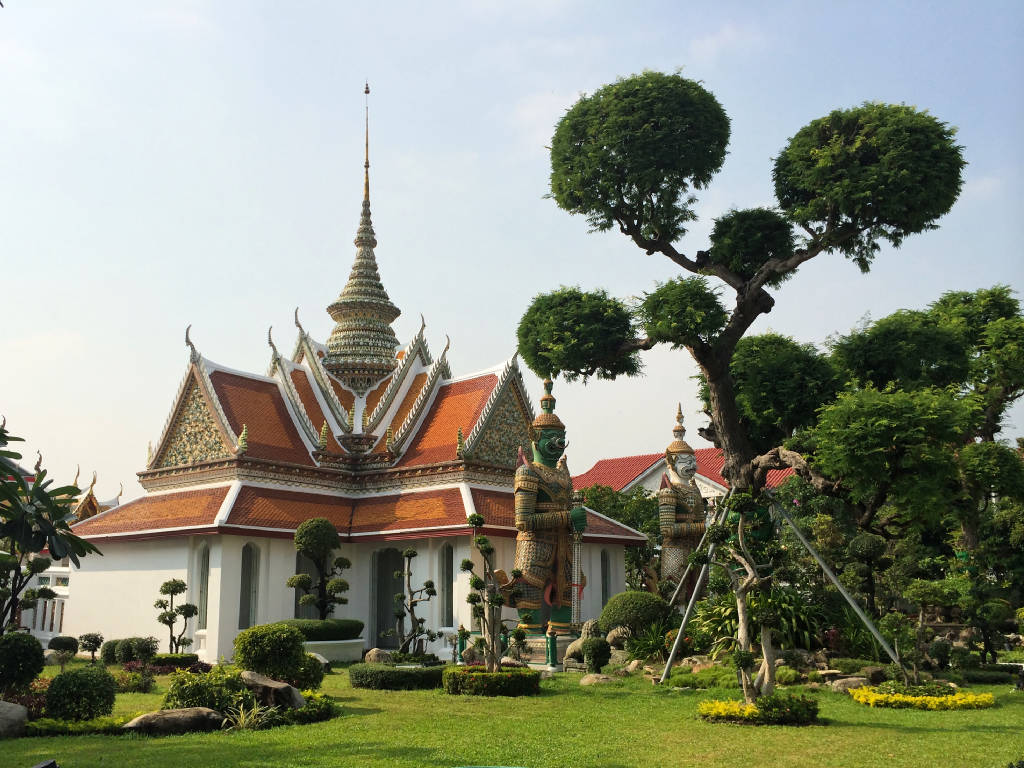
958 700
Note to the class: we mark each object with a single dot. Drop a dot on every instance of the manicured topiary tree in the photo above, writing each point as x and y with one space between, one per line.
274 650
81 694
21 660
317 539
169 614
65 647
91 642
405 605
634 610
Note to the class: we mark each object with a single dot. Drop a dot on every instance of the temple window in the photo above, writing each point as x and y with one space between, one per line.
250 580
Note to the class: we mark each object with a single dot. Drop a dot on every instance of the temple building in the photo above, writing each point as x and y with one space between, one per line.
381 439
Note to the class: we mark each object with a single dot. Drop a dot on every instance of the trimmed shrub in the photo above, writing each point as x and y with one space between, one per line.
596 653
712 677
141 681
873 697
635 610
310 674
384 677
108 652
426 659
774 709
21 660
326 629
63 643
319 707
986 676
221 689
81 694
939 651
176 660
48 726
477 681
136 649
274 650
786 675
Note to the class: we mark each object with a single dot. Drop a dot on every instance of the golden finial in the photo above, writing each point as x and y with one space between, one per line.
243 440
322 444
366 163
389 441
366 418
460 444
352 415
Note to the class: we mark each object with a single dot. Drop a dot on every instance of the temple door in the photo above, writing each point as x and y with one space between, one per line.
384 586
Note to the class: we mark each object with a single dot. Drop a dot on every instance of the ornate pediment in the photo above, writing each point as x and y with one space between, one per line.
507 429
195 435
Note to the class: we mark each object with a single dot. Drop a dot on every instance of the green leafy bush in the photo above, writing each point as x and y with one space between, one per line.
384 677
108 652
987 676
141 681
931 688
220 689
81 694
634 610
596 653
32 698
814 676
91 642
48 726
712 677
177 660
326 629
426 659
786 675
939 651
787 709
309 675
21 660
962 658
651 641
274 650
136 649
477 681
318 708
850 666
63 643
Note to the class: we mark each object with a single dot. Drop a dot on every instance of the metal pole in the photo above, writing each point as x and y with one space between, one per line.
689 611
682 579
842 590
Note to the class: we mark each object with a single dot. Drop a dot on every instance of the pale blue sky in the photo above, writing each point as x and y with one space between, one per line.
200 162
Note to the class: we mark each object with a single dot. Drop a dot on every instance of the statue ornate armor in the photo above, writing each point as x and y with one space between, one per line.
681 508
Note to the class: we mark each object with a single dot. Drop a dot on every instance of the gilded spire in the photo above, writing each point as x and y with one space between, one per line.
361 348
679 445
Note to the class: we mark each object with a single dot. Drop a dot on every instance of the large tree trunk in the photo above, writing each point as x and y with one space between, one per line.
743 639
766 677
729 434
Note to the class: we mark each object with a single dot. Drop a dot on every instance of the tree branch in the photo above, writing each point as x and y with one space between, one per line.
783 458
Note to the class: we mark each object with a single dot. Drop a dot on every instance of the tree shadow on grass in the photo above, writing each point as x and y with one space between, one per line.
938 728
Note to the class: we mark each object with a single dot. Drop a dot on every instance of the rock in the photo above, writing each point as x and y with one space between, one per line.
323 660
634 665
621 672
692 661
167 721
830 673
575 649
50 658
593 679
508 661
546 673
273 693
12 719
590 628
844 684
379 656
617 637
875 675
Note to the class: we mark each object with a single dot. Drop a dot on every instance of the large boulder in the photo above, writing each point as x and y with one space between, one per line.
378 656
273 693
323 660
845 684
170 721
593 679
617 637
12 719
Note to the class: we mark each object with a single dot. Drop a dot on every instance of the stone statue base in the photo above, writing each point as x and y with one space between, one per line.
535 653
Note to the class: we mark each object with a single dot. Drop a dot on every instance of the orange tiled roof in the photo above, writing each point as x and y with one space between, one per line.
498 509
284 509
312 406
619 473
405 407
374 395
346 398
456 405
259 404
169 510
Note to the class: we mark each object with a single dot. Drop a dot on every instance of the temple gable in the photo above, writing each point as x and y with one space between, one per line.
507 429
194 436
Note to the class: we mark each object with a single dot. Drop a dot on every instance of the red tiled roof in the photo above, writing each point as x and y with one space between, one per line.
259 405
619 473
274 508
498 508
312 406
456 405
169 510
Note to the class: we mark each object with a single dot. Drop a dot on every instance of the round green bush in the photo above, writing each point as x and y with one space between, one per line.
274 650
310 674
220 689
21 660
81 694
108 652
136 649
786 675
635 610
596 653
384 677
326 629
477 681
63 643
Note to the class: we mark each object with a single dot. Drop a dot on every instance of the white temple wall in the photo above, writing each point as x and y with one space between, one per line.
113 594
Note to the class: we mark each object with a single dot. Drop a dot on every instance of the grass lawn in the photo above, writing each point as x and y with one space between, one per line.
626 723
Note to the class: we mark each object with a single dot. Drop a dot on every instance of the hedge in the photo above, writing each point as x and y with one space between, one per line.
326 629
477 681
274 650
176 660
383 677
